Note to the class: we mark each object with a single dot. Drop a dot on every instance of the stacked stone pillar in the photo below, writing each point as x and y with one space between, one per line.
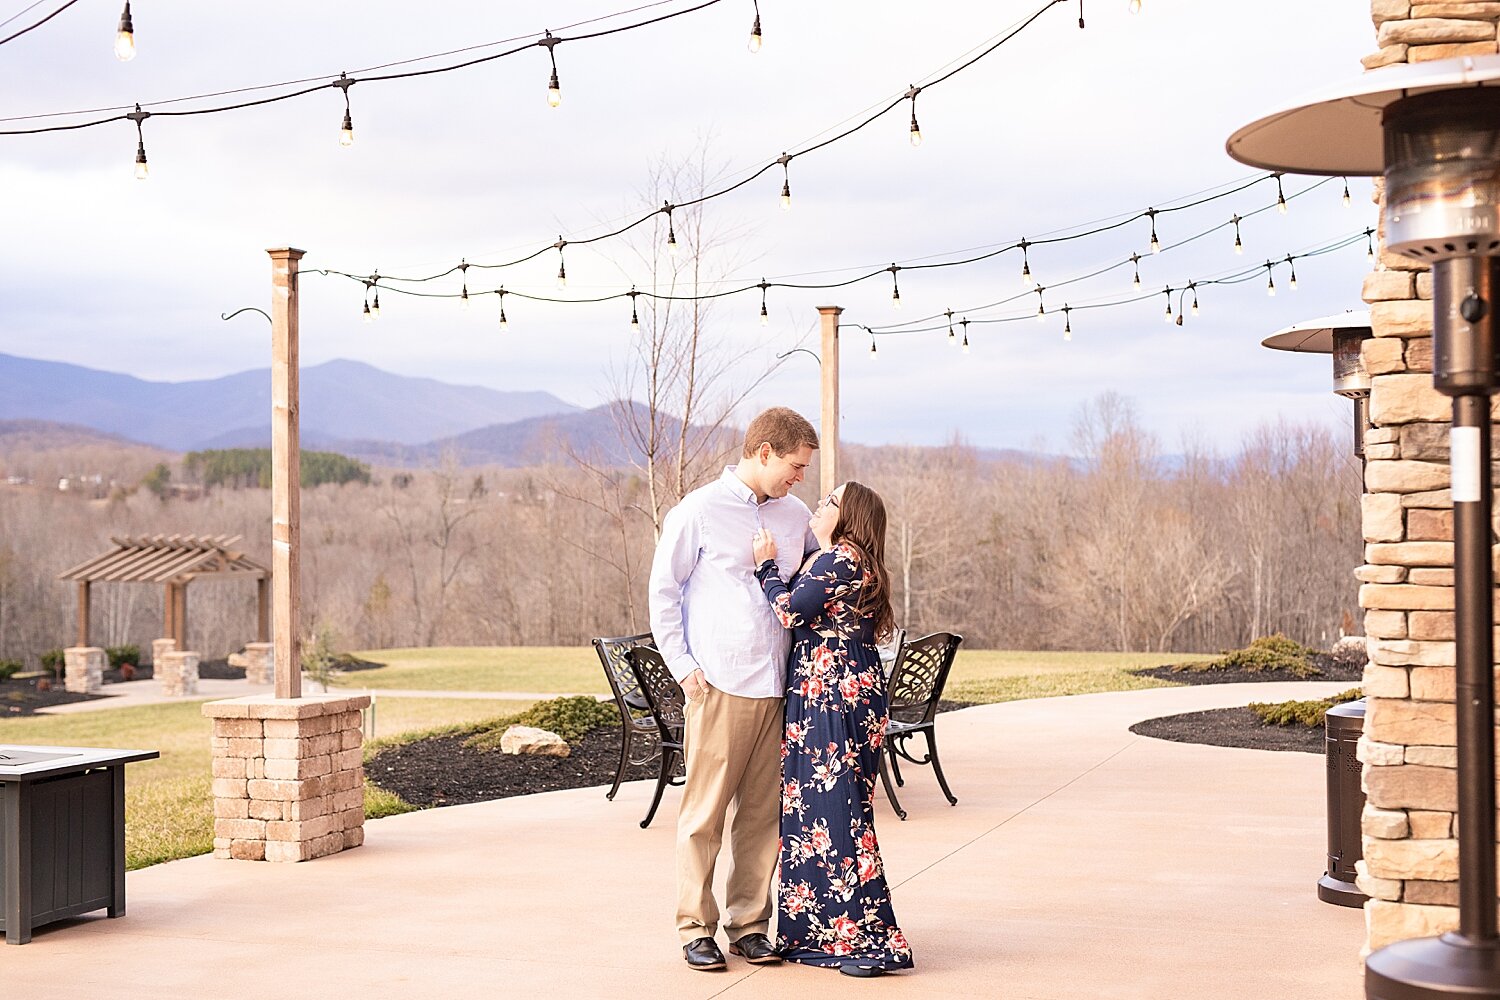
178 673
83 669
258 662
288 777
1410 866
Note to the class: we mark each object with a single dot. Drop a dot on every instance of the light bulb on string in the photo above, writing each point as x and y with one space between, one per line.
1025 262
504 323
554 88
1135 260
671 230
1135 6
1347 199
1238 246
1041 306
765 317
895 287
635 319
1067 322
1155 243
965 323
562 264
1292 279
916 130
755 36
142 168
1280 196
951 338
367 316
346 130
375 286
872 347
1194 289
1270 280
1168 293
125 36
1369 246
463 296
786 182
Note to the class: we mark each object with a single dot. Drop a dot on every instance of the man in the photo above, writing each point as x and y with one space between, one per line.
716 632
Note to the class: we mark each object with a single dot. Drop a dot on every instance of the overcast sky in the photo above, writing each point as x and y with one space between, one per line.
1058 129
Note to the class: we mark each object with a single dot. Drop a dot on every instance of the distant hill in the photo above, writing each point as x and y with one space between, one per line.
46 435
341 400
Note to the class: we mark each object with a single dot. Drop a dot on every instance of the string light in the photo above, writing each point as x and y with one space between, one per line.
1193 286
1346 192
346 131
1135 6
1292 280
125 36
1135 261
1067 322
635 319
463 297
142 168
1080 15
1270 280
895 287
786 182
554 89
765 317
1155 243
367 316
755 37
562 264
1025 262
375 306
504 323
872 347
1041 308
965 323
1369 248
1239 247
1280 198
952 340
671 230
916 131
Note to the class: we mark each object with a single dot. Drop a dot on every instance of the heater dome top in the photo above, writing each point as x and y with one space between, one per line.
1315 336
1338 130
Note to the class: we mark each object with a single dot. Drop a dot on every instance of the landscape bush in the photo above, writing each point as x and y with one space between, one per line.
1301 713
1350 650
9 668
54 660
121 655
569 717
1270 652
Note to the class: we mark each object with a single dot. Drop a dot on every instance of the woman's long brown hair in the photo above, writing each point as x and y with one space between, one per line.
862 525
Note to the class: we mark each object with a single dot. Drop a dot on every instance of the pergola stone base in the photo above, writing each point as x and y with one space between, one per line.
83 671
288 776
160 648
178 673
258 663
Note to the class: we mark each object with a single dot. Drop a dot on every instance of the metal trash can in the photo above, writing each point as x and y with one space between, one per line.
1346 801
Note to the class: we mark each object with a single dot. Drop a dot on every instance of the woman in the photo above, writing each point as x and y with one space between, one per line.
835 906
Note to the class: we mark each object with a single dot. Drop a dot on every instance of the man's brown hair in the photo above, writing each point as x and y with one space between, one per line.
784 429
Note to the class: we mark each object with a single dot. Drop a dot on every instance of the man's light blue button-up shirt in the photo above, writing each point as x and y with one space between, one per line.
707 610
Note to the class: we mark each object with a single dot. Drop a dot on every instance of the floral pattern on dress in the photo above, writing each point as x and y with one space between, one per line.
834 905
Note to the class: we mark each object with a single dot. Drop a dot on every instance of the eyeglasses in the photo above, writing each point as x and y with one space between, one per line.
830 501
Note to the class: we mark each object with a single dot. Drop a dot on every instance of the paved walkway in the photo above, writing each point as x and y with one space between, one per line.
1081 862
148 692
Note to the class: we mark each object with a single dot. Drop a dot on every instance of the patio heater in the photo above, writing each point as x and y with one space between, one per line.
1339 336
1433 130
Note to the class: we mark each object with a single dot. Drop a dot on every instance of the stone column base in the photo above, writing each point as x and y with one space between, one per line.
178 673
258 662
84 670
160 648
288 776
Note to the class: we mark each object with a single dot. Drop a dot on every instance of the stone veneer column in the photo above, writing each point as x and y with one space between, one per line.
288 776
83 669
258 662
1410 866
159 649
178 673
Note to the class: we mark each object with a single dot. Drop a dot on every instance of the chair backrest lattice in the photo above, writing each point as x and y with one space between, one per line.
663 691
919 676
622 682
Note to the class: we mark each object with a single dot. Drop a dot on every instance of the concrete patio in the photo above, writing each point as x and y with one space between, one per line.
1081 861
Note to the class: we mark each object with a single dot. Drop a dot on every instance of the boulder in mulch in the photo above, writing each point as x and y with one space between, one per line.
530 740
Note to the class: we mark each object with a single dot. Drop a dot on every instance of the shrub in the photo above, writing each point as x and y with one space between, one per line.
569 718
319 661
1351 650
121 655
1270 652
9 668
1303 713
54 660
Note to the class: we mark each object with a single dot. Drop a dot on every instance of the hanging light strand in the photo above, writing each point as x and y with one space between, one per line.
346 131
916 130
755 35
142 168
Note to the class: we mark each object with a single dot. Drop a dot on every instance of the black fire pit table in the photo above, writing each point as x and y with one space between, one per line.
62 834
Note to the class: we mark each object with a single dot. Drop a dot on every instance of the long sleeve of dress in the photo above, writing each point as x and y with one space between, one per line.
833 575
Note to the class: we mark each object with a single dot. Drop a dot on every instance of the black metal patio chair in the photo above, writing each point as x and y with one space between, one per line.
667 702
915 686
638 734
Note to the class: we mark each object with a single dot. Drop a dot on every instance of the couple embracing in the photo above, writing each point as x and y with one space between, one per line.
768 616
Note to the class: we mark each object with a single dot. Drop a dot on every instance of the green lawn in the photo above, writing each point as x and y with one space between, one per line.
982 675
168 808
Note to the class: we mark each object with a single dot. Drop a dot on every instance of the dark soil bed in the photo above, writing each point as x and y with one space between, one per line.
21 696
210 670
1231 727
1331 670
441 771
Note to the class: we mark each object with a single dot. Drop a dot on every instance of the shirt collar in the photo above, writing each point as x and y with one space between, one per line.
736 485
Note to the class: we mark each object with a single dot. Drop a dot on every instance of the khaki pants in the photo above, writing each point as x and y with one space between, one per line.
733 758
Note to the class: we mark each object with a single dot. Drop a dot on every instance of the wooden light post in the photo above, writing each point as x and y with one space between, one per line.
286 477
828 428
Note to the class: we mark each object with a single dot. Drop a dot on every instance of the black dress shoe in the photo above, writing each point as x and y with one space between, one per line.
755 949
862 971
703 954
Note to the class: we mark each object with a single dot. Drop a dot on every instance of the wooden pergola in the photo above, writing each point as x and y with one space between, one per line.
173 561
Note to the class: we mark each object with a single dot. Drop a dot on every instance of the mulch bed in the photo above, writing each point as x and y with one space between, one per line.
1232 727
441 771
21 697
1331 670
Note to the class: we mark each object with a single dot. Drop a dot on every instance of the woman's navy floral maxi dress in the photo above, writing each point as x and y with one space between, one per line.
834 904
